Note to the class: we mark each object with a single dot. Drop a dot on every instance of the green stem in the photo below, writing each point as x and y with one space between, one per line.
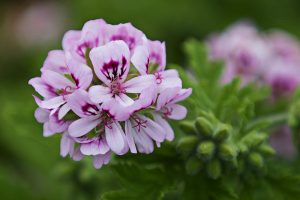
269 121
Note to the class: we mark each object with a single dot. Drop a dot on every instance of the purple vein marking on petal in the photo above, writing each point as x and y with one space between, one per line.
155 57
86 109
123 69
167 112
130 41
75 79
110 65
80 50
139 123
113 66
147 65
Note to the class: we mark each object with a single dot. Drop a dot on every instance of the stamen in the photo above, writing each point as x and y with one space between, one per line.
66 91
158 77
167 112
106 120
139 123
116 88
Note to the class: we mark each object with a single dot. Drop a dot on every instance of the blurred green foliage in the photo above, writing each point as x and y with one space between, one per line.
31 167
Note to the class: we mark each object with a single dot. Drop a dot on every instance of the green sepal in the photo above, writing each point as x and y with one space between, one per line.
204 127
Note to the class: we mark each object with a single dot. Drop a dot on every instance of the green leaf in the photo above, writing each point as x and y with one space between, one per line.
140 182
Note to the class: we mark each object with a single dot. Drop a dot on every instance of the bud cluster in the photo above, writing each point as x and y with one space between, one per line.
215 147
253 150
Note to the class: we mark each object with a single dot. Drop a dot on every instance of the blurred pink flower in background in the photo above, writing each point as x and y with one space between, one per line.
264 58
284 46
282 142
271 58
242 49
34 24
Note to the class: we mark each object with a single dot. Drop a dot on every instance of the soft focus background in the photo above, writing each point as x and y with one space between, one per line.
31 167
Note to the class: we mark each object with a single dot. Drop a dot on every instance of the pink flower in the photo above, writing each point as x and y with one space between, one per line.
97 33
78 42
284 46
282 141
270 59
111 64
244 50
140 130
51 123
150 58
125 32
167 108
283 77
94 118
108 110
59 81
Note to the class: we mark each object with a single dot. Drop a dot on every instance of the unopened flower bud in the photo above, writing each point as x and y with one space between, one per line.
187 143
256 160
214 169
254 139
193 165
222 132
204 127
242 148
227 151
188 127
266 150
206 150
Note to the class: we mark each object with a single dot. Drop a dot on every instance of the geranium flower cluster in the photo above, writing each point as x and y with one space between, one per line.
266 58
108 92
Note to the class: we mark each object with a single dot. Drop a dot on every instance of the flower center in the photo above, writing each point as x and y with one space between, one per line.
106 120
65 91
158 77
167 112
139 123
116 88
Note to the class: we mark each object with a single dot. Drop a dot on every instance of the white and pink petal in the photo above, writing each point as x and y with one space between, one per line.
83 126
81 104
56 61
66 145
111 61
115 137
165 125
175 111
139 83
100 94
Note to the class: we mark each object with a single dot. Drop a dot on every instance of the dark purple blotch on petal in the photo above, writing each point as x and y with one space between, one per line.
76 80
112 66
130 41
90 109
